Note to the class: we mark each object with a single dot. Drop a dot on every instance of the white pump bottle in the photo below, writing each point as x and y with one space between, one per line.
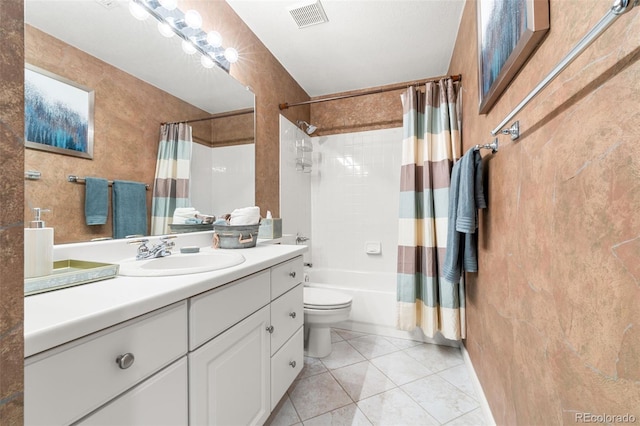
38 247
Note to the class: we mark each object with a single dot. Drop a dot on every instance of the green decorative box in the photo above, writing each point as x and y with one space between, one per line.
270 229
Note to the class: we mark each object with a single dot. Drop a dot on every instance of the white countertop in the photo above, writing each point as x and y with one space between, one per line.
58 317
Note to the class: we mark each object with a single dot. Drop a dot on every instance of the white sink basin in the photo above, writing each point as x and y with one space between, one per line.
180 264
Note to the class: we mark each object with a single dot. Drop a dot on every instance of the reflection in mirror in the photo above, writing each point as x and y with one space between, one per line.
141 80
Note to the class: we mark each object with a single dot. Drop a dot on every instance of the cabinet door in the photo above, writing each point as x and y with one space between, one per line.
229 377
160 400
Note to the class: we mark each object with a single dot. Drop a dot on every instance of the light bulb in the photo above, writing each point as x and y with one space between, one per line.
165 29
168 4
206 61
231 55
214 39
188 47
193 19
138 11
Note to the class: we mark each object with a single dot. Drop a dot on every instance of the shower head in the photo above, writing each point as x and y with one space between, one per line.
310 127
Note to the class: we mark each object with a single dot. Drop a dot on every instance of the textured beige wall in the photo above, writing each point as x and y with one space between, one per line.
128 113
553 312
11 196
357 114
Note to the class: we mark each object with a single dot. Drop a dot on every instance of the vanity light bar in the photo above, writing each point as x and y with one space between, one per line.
176 21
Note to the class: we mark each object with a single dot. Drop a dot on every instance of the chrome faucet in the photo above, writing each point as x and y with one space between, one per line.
301 239
162 249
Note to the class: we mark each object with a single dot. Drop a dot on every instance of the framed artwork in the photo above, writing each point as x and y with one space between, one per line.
508 32
58 114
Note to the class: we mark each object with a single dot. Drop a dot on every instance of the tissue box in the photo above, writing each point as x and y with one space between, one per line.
270 229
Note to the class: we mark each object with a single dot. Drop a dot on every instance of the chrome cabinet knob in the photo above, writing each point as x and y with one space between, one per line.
292 274
292 364
270 329
292 314
125 361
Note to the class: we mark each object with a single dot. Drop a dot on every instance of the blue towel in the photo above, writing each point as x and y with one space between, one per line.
96 201
129 208
466 196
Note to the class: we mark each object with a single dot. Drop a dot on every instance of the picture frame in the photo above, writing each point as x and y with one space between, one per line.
58 114
508 33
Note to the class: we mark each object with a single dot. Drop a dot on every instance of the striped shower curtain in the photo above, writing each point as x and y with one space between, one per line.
173 170
430 146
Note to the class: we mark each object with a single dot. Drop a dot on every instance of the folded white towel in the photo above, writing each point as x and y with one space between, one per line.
183 210
181 214
245 216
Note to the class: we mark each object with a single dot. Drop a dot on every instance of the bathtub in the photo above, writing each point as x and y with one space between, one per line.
373 309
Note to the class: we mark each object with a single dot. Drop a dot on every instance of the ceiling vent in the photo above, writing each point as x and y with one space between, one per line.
308 13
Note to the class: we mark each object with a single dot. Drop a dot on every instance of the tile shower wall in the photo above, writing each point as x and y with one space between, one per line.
354 199
295 187
222 179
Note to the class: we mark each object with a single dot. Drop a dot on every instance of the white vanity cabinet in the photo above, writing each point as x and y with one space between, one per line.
68 382
224 356
238 376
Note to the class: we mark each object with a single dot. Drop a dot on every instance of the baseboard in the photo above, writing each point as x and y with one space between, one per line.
484 404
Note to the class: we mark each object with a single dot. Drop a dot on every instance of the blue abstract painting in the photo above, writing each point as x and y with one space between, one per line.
508 32
58 114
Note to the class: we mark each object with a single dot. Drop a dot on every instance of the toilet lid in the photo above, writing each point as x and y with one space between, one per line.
321 298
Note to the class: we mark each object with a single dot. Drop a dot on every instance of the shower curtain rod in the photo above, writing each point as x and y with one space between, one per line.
618 8
214 116
287 105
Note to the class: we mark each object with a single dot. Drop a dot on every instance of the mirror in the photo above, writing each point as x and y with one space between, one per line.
140 79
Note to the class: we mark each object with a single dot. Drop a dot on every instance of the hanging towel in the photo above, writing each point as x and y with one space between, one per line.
466 196
129 208
96 201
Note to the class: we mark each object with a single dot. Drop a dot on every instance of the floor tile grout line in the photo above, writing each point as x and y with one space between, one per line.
474 396
379 393
461 415
417 402
395 385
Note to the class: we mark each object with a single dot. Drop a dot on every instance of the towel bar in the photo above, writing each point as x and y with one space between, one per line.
76 179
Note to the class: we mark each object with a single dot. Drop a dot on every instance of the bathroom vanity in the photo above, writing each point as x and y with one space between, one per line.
218 347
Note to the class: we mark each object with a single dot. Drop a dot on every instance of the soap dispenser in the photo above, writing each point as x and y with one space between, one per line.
38 247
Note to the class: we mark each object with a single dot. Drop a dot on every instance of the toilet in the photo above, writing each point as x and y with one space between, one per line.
322 309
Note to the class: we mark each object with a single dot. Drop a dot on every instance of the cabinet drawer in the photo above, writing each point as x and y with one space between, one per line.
160 400
215 311
285 276
60 384
286 364
287 314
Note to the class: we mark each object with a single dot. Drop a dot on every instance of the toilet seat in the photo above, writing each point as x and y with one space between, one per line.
323 299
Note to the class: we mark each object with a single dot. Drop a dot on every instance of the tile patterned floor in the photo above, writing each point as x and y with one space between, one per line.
375 380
